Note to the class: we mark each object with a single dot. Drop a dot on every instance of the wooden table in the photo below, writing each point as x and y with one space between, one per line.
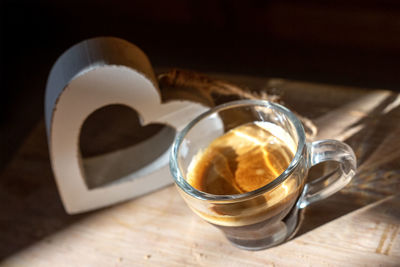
360 226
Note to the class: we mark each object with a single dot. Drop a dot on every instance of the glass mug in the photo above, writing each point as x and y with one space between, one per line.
266 216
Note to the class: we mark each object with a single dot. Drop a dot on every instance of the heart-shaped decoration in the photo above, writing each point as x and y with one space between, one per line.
120 138
94 74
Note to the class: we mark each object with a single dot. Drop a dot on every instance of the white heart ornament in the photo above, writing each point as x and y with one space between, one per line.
90 75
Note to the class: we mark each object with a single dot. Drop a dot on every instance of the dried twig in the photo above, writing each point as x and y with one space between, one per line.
212 89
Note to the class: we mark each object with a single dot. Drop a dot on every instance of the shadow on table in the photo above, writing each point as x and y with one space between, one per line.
377 149
31 208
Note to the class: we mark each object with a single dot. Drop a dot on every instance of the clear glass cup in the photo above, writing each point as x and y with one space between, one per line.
268 215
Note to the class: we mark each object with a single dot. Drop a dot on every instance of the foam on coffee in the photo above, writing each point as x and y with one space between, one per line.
242 160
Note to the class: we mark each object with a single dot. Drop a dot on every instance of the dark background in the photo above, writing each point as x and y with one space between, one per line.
353 42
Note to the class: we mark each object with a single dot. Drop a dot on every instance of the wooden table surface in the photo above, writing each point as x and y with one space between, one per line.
360 226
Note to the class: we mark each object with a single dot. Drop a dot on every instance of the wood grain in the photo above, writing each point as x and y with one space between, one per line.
356 227
159 230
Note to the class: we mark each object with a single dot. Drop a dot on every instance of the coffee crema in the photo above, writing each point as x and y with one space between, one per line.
244 159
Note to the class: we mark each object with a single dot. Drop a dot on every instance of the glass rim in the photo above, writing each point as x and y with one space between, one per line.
187 188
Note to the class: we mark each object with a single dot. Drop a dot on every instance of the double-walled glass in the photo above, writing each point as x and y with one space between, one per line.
268 215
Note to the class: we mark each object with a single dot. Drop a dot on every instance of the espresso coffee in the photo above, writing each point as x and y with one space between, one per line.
242 160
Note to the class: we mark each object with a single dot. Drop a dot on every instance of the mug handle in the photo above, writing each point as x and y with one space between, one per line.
323 187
